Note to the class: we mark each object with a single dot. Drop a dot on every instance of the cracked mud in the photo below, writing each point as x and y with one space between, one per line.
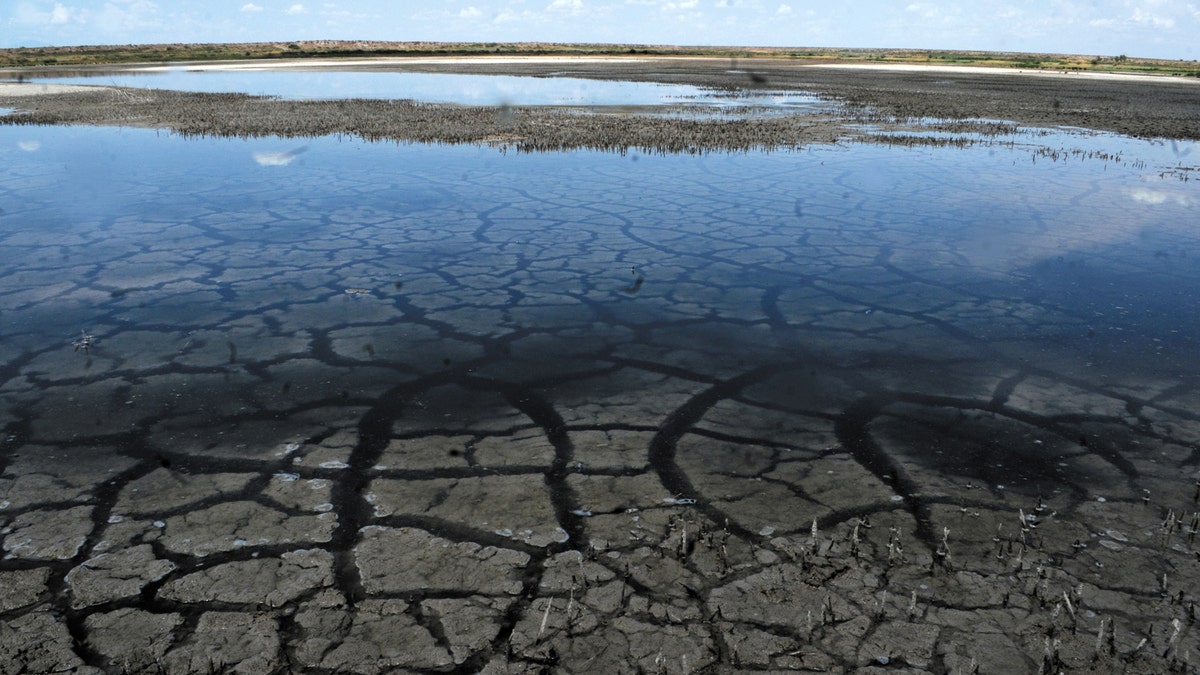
430 409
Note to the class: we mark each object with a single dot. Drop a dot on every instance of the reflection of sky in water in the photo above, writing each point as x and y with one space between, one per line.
431 87
1080 241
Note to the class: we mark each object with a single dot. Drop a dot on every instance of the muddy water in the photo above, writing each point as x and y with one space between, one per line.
332 404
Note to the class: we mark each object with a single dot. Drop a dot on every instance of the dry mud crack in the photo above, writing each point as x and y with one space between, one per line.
680 550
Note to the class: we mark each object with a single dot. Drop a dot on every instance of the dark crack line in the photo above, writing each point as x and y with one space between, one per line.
851 430
679 422
562 497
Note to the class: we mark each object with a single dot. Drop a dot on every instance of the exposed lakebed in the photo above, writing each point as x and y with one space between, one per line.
331 404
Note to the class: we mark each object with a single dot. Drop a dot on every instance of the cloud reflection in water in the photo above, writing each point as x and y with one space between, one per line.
1156 197
278 158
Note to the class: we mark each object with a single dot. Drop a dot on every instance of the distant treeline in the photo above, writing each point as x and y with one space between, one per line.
122 54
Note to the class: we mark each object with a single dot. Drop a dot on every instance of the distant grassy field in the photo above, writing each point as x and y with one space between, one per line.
122 54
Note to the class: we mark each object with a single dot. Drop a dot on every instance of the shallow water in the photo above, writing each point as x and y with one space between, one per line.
345 268
385 263
460 89
550 351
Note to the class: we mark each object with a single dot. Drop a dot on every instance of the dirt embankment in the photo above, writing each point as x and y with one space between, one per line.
1150 107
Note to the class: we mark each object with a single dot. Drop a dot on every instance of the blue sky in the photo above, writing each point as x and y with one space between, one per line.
1154 28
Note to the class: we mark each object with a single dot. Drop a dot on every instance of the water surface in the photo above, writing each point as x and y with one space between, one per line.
463 89
841 252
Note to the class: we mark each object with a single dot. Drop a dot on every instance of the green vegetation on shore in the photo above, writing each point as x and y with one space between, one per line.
123 54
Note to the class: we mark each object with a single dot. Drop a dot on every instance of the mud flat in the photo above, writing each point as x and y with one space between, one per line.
554 531
524 128
933 99
450 415
1144 106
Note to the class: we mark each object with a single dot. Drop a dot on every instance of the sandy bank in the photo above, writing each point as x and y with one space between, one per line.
377 63
979 70
25 89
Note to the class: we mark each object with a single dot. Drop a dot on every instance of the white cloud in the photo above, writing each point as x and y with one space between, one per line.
120 19
471 12
57 15
509 16
1146 18
1008 13
783 10
336 16
97 23
61 14
29 146
251 7
297 9
571 5
925 10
